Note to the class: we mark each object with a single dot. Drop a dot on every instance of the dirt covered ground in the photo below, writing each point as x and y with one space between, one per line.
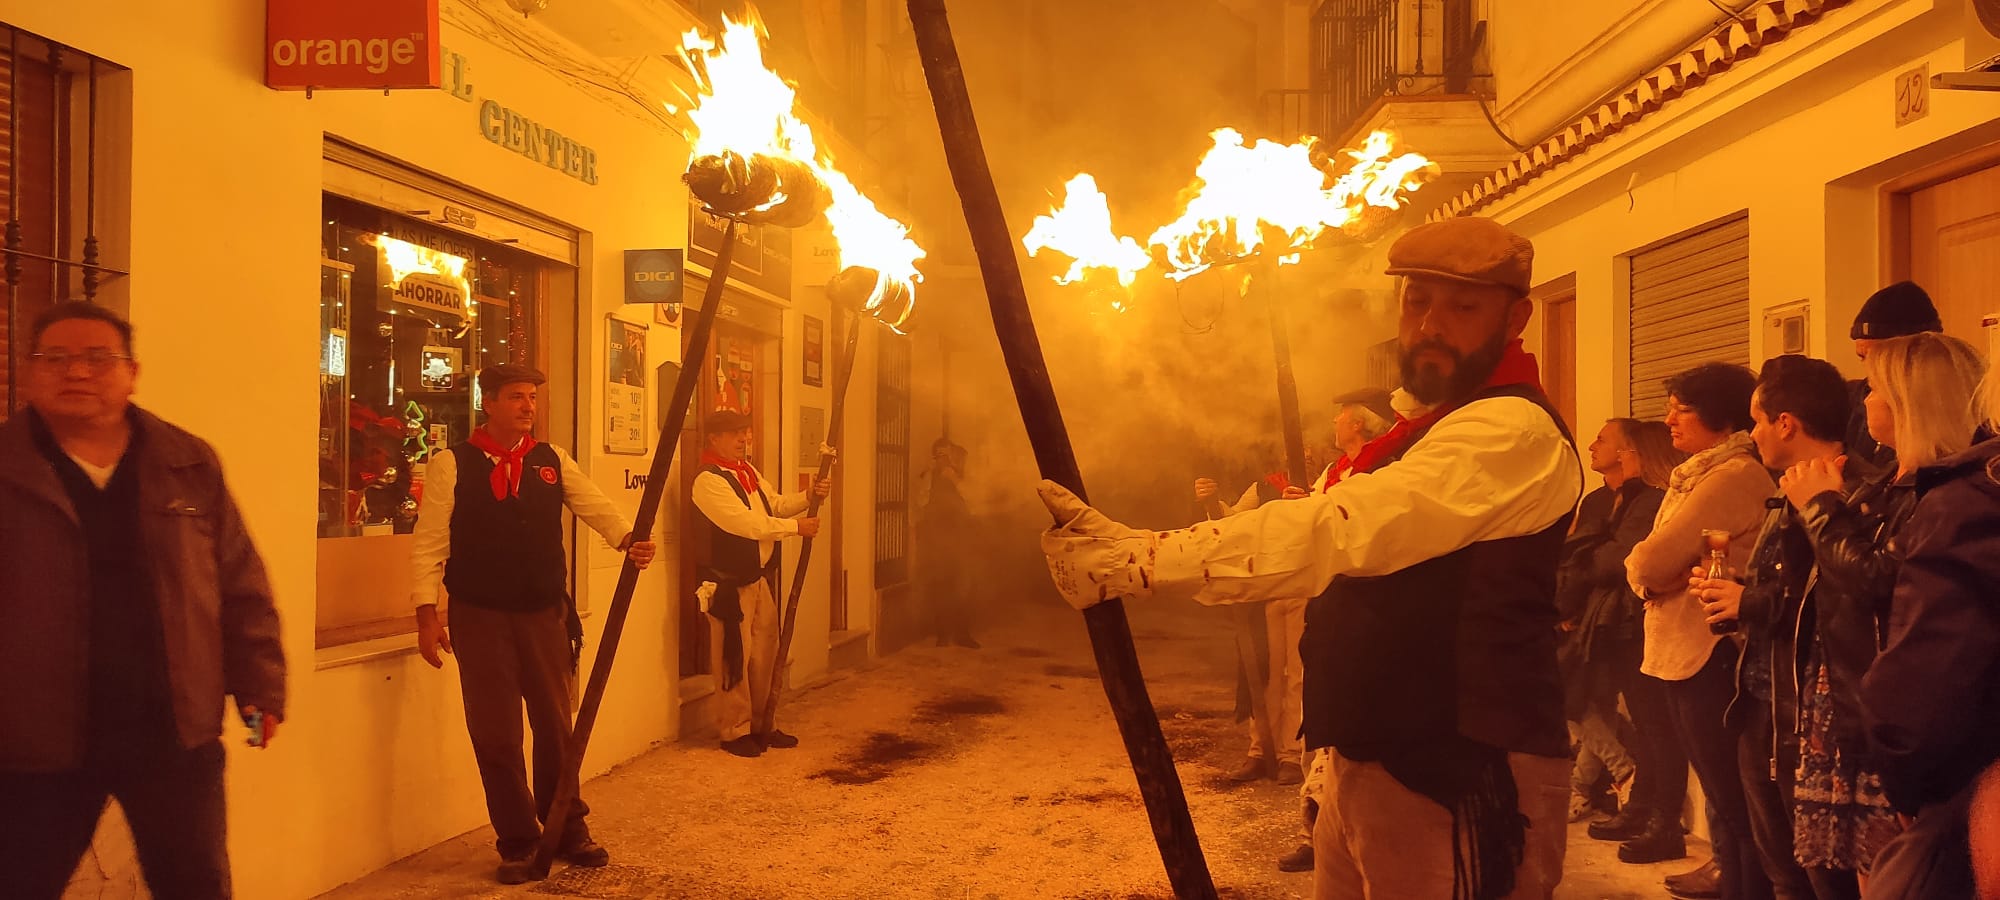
949 773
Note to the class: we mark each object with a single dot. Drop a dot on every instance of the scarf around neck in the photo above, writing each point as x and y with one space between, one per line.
1516 367
745 475
1695 468
507 465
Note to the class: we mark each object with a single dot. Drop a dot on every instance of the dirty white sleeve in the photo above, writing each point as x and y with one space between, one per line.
718 502
1247 502
786 506
1496 468
590 503
432 536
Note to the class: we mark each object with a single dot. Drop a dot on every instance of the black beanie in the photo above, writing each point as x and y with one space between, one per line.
1895 311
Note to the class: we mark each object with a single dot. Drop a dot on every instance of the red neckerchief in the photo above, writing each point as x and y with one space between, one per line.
745 476
507 466
1337 471
1517 366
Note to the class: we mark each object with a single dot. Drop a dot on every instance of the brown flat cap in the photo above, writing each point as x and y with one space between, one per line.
499 375
1471 250
723 421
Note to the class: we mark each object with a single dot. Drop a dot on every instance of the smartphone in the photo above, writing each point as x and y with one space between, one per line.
254 720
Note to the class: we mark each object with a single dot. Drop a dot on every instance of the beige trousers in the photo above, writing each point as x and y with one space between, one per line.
1378 840
747 707
1284 692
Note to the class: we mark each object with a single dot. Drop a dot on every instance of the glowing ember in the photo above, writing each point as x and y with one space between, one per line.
1081 229
745 111
1246 199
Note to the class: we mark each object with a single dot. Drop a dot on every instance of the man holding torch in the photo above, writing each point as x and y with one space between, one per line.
738 571
1430 651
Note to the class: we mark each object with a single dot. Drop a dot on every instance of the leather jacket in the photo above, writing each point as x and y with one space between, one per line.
1855 541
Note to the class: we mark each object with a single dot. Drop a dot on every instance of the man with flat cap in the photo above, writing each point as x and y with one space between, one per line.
739 571
1899 310
1430 646
491 533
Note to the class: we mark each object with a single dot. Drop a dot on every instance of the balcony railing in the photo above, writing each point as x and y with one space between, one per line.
1364 50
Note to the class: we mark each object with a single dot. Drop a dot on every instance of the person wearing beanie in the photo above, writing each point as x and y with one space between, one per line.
490 532
739 571
1899 310
1430 645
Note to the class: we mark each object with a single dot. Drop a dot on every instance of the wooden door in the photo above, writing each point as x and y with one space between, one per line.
1557 302
1954 238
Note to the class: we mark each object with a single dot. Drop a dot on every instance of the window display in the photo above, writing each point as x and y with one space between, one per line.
409 313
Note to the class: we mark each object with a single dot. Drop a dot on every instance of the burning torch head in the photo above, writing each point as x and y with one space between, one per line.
760 188
865 289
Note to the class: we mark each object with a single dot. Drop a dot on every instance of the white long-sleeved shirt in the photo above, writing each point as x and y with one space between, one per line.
433 532
764 524
1492 469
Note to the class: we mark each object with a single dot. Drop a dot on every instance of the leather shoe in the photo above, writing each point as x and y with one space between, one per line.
1254 768
1290 773
1626 825
1662 841
1300 860
745 746
777 740
1701 884
586 853
516 871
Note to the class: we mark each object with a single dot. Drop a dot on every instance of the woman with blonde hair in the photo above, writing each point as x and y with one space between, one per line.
1929 703
1921 405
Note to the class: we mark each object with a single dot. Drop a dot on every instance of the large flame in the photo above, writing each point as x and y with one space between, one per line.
1246 200
1081 229
743 107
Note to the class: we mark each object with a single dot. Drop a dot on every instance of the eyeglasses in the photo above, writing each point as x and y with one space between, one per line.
96 361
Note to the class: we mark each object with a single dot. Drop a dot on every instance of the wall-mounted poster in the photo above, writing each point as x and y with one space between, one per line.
814 370
624 387
439 367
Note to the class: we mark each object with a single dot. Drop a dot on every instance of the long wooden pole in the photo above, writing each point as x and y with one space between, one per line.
1110 633
826 461
628 577
1288 386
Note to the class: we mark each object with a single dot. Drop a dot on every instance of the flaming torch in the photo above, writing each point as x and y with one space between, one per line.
752 161
1250 203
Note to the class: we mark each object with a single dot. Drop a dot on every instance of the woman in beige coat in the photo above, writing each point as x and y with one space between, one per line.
1721 487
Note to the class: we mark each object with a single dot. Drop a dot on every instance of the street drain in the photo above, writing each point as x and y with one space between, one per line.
606 883
945 709
879 757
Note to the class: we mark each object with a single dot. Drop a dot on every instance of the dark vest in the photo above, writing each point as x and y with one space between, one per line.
1462 645
731 557
508 554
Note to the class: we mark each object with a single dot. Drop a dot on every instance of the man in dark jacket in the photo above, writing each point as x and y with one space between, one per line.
132 602
1900 309
1799 411
1931 701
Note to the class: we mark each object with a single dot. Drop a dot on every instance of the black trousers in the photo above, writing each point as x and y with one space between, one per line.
1698 707
1660 776
174 805
1767 791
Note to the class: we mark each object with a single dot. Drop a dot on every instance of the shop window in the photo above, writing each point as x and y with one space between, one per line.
57 141
409 313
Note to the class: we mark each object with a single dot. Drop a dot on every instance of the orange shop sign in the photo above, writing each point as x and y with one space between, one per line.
351 44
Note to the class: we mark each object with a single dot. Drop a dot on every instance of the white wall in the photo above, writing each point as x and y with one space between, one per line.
1802 137
373 762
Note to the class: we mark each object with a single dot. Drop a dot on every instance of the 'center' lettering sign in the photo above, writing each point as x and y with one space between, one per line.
351 44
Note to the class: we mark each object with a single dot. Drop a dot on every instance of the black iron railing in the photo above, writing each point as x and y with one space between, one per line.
1364 50
49 124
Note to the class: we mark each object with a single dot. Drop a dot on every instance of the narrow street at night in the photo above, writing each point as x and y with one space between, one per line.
949 773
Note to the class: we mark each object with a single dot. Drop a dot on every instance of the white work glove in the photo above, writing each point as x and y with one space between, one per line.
1092 558
704 595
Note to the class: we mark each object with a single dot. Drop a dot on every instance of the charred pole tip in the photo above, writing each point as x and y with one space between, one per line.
628 576
1110 633
826 464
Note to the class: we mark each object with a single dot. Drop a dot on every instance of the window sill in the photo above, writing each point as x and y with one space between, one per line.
364 651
